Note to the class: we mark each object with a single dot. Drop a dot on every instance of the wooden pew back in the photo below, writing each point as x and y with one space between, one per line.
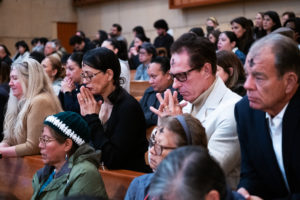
16 177
117 182
137 88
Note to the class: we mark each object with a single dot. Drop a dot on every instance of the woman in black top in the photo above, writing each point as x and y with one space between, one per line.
71 83
117 122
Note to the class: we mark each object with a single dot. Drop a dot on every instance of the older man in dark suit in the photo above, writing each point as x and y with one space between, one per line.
268 120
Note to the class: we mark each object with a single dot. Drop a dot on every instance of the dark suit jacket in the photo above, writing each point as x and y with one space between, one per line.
260 173
4 93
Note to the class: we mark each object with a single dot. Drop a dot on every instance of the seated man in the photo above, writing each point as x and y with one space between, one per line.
190 173
268 120
163 38
193 67
50 48
79 44
160 80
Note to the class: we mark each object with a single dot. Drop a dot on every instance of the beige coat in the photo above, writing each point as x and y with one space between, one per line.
40 108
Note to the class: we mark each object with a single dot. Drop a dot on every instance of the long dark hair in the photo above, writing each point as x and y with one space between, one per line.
247 38
275 17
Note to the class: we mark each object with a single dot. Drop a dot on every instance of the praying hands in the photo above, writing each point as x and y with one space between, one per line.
169 105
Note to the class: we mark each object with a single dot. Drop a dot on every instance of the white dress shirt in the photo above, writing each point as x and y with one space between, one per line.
275 127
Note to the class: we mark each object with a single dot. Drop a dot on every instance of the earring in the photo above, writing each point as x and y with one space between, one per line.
66 157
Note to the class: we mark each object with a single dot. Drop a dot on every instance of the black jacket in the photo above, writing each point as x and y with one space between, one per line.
123 139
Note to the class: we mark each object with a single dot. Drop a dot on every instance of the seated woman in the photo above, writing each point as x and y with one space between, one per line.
117 123
241 27
53 68
228 41
71 163
146 54
271 21
22 52
258 31
231 71
31 100
133 54
213 37
173 132
115 46
71 84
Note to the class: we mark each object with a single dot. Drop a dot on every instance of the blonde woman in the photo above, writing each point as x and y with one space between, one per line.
31 100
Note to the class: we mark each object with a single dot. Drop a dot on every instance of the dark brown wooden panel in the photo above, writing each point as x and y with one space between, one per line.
173 4
65 30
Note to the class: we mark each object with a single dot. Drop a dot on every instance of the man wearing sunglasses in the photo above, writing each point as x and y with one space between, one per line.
193 68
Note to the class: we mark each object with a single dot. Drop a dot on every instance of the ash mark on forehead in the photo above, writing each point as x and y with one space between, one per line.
251 62
172 61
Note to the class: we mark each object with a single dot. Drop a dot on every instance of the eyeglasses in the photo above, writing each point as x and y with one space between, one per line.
45 140
157 147
182 76
88 76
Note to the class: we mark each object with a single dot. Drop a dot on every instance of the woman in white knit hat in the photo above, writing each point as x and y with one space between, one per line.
71 163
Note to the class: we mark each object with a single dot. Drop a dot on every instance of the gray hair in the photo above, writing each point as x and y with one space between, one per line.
285 50
53 45
188 172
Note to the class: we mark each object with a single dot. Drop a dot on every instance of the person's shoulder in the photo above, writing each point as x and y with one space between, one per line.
125 99
225 94
169 36
43 100
243 103
4 90
232 96
42 97
143 180
150 90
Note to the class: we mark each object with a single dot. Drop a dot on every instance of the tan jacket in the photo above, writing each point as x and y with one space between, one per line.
40 108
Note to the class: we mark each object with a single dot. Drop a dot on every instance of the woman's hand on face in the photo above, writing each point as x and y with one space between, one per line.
87 102
67 85
169 105
133 51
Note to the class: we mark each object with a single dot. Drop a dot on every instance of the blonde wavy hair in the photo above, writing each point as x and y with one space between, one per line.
34 81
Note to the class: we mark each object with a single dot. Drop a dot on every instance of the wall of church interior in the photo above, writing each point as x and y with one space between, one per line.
25 19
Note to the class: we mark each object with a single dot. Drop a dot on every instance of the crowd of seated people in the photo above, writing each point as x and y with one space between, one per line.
200 95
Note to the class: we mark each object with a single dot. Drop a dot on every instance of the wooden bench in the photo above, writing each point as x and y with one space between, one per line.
117 182
16 177
132 74
137 88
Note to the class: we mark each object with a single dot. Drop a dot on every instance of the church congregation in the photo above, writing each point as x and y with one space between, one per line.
218 115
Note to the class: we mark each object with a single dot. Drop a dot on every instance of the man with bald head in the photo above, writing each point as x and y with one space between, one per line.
268 120
4 55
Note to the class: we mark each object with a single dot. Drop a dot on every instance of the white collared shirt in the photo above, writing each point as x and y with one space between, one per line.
275 127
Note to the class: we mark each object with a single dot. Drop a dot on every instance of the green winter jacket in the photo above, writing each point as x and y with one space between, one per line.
78 176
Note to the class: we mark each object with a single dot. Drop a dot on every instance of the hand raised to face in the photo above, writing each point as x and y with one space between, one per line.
169 105
87 102
67 85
